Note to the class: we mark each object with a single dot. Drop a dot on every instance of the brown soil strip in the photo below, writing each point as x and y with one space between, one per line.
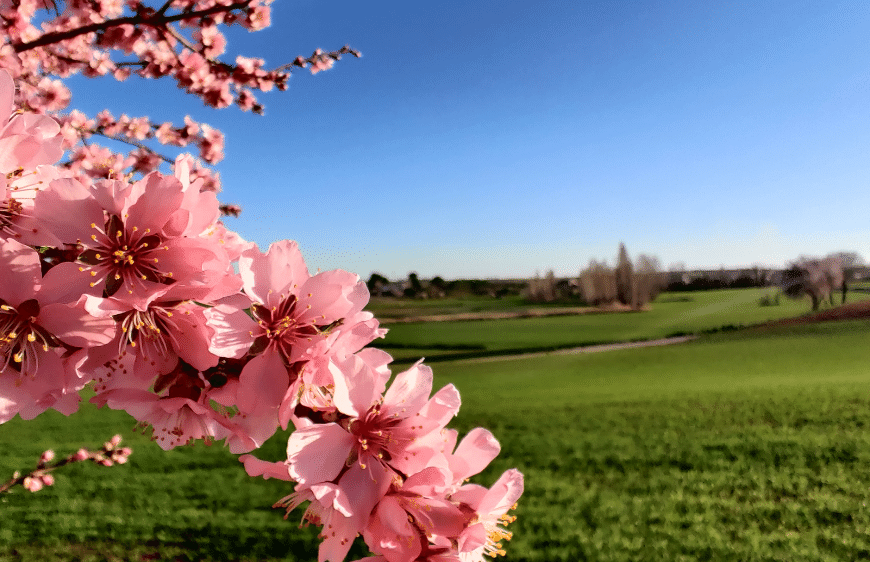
851 311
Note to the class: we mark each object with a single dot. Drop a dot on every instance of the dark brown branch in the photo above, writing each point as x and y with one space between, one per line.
156 21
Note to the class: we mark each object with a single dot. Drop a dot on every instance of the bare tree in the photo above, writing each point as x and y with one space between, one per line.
648 280
542 290
597 283
818 278
624 277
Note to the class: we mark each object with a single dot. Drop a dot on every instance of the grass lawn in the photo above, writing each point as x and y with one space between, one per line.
387 308
670 314
748 445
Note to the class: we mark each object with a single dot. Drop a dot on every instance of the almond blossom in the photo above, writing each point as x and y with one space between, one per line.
410 513
486 529
291 313
130 235
370 429
42 326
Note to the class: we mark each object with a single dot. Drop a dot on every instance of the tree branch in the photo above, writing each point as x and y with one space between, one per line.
156 21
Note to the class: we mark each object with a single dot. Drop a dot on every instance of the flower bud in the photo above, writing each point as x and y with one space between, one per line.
47 456
32 484
47 479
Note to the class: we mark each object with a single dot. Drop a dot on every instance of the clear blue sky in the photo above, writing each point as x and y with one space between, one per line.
497 139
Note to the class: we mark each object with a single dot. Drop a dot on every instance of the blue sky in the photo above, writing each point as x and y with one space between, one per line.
497 139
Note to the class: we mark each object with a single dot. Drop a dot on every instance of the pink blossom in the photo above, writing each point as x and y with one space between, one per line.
131 234
39 322
17 194
175 420
343 509
292 313
486 529
28 140
156 332
32 484
409 513
371 430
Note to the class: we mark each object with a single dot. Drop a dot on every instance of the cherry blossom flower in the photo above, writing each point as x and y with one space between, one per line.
130 234
156 331
410 513
41 327
27 140
292 312
370 430
486 529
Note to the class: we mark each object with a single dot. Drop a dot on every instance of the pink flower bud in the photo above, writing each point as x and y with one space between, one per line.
47 456
115 440
81 455
48 479
32 484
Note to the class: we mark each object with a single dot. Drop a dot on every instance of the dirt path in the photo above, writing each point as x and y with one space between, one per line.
584 349
850 311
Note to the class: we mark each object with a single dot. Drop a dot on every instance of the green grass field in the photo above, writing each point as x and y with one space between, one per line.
746 445
670 314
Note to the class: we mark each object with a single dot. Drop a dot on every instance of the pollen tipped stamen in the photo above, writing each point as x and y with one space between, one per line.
20 340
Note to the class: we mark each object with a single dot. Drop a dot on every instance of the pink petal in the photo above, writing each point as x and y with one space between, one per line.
75 326
64 283
409 392
474 453
68 208
262 383
192 337
503 494
317 453
328 292
7 93
161 198
266 469
234 331
443 405
356 386
21 272
275 272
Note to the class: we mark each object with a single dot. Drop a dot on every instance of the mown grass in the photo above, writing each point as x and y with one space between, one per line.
670 314
388 308
741 446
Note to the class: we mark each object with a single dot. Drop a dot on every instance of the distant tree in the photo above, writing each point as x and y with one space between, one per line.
542 290
818 278
597 283
848 259
376 282
648 280
414 287
624 277
851 262
439 283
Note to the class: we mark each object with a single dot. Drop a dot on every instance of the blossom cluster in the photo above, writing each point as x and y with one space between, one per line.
181 39
109 455
137 289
